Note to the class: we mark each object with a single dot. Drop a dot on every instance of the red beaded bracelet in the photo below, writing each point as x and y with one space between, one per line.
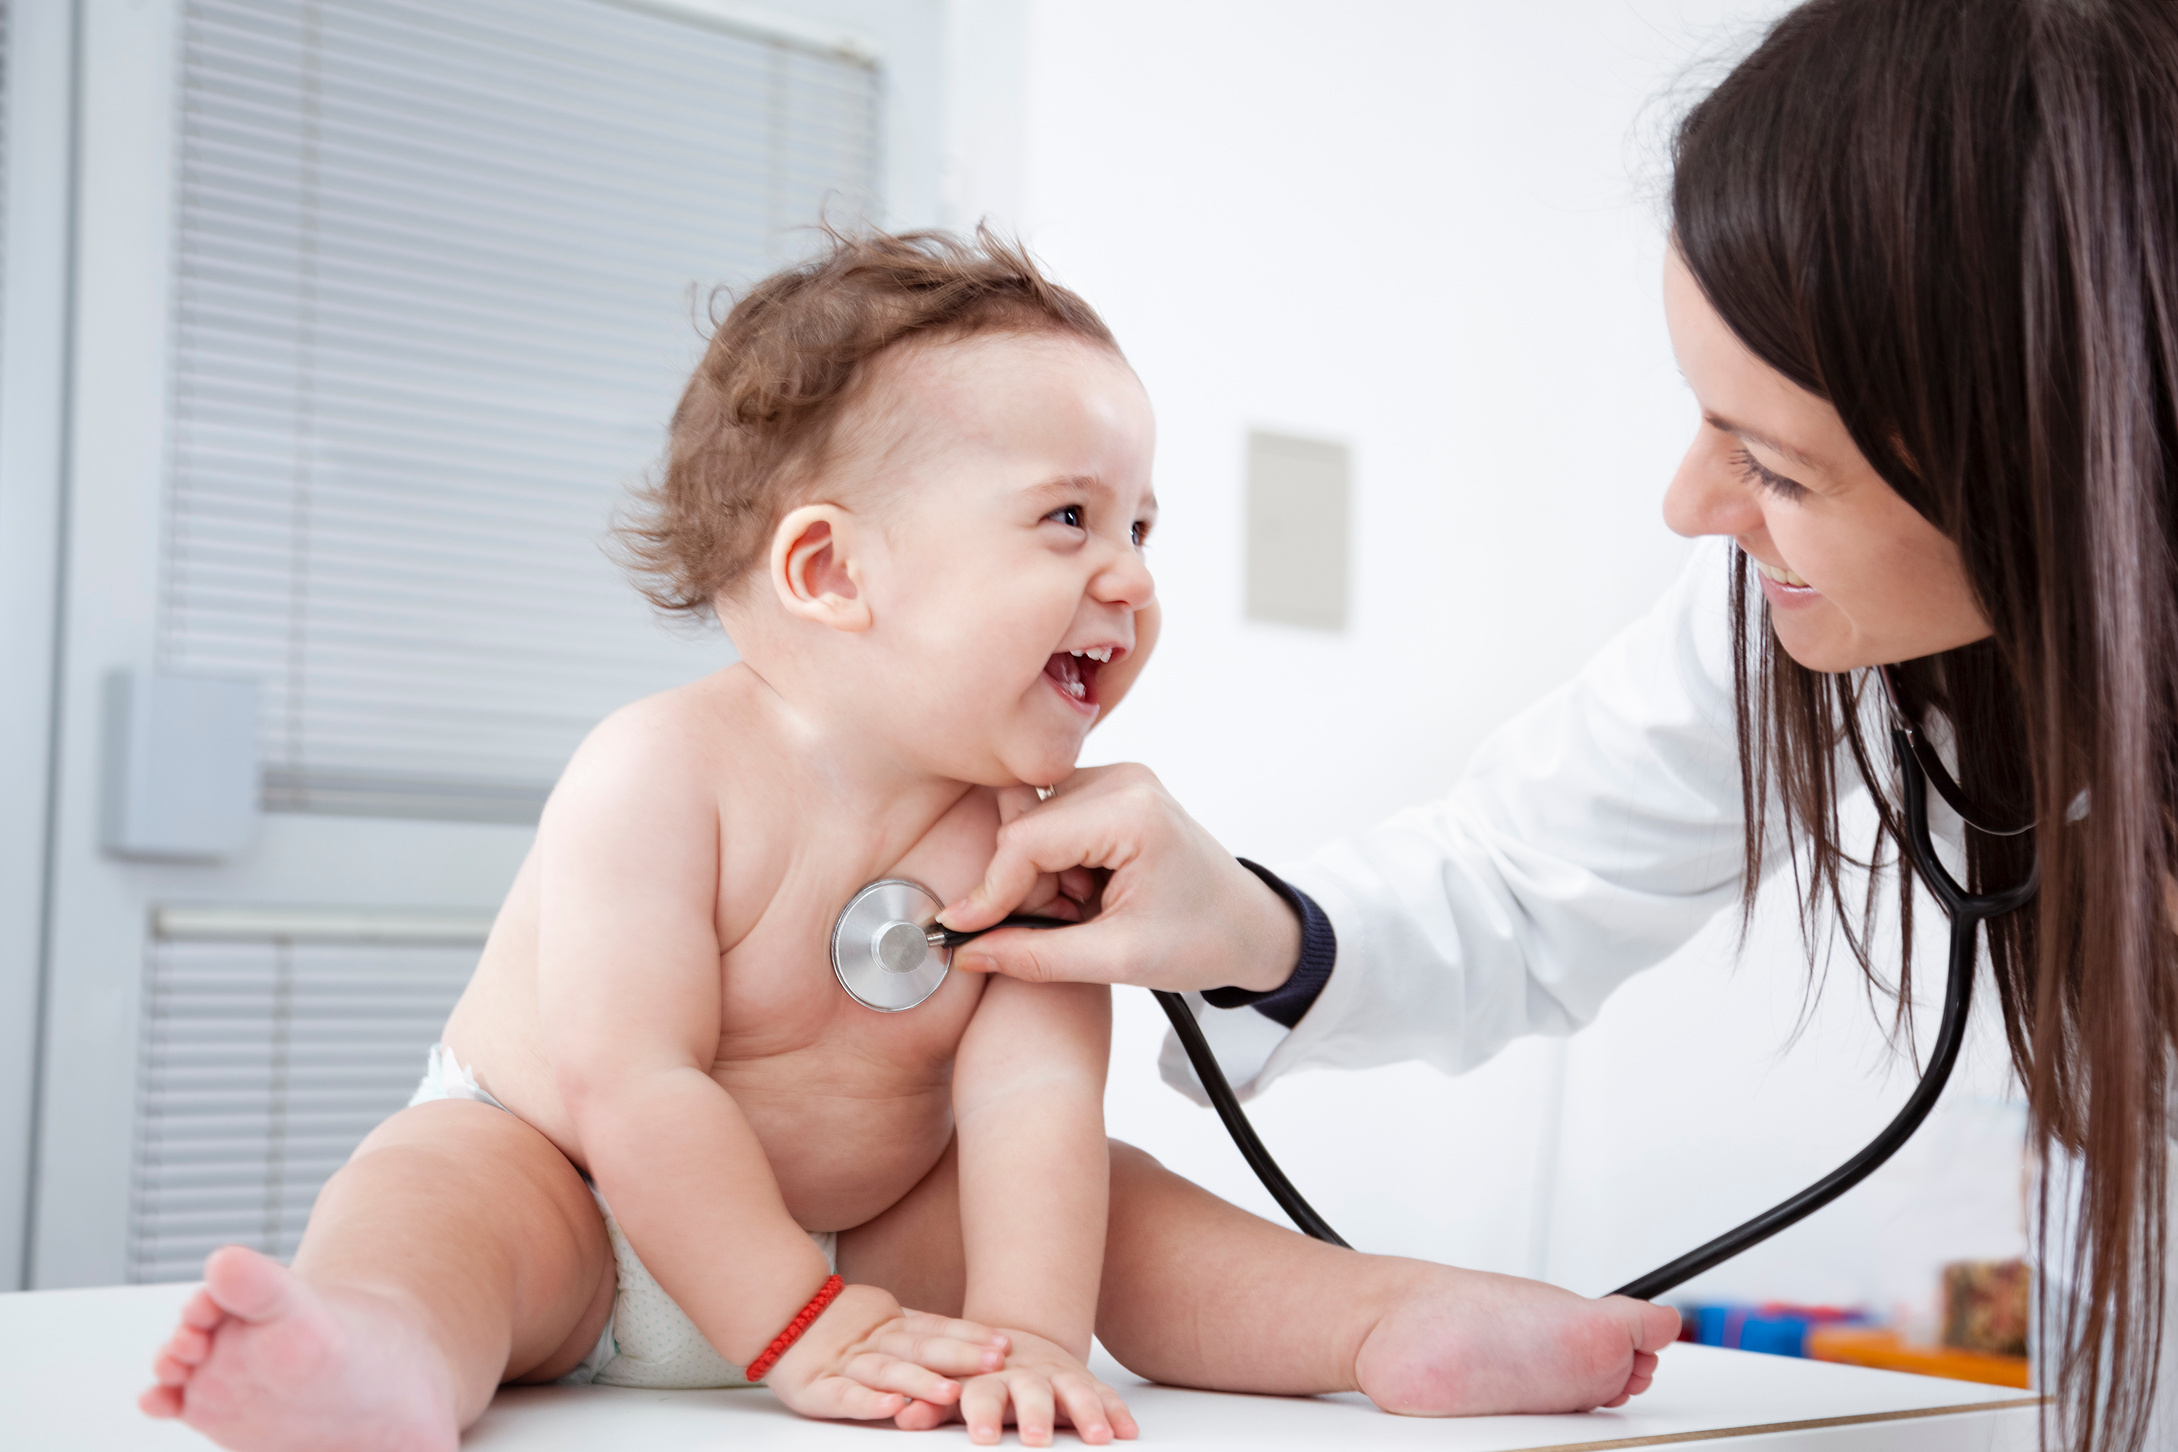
803 1320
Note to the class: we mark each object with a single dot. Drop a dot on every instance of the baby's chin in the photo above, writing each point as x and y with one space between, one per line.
1038 763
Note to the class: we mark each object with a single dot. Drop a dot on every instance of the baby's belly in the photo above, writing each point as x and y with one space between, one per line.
844 1155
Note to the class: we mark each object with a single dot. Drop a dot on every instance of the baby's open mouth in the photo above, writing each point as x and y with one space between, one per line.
1074 673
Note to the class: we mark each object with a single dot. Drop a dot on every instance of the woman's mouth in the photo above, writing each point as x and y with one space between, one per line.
1073 673
1784 587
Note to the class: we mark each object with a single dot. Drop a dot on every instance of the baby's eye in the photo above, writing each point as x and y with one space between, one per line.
1073 516
1140 533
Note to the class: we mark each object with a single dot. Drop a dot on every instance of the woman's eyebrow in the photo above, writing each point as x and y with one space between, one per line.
1748 435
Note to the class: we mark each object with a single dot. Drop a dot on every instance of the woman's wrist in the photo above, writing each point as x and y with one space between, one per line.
1290 999
1273 944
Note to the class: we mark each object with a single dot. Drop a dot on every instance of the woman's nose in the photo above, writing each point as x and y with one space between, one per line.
1709 495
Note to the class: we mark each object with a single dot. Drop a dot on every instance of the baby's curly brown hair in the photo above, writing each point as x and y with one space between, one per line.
754 427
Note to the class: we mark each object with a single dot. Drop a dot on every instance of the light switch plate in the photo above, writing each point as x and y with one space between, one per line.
1299 496
180 766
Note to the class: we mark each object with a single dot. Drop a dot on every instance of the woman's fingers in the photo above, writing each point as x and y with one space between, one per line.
1093 823
1175 910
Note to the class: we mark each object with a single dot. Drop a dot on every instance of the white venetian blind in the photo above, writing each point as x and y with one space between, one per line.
438 271
271 1045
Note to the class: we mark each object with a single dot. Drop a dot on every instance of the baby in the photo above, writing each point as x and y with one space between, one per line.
659 1145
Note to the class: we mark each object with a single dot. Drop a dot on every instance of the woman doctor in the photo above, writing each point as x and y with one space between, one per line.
1924 288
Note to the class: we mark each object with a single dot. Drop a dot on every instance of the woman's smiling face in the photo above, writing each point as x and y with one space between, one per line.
1854 575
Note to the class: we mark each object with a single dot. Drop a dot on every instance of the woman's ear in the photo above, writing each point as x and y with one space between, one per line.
814 571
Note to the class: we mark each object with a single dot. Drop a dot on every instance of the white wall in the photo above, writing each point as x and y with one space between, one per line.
1429 230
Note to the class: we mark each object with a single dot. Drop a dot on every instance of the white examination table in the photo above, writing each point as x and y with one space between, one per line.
71 1363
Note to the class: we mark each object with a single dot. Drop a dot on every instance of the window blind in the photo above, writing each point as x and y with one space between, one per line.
266 1059
440 267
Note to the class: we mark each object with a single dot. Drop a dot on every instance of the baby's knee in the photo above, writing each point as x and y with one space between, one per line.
1127 1159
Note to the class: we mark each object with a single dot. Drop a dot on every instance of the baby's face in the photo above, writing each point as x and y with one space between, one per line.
1010 487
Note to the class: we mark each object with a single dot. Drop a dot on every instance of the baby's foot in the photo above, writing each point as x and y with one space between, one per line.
263 1360
1465 1343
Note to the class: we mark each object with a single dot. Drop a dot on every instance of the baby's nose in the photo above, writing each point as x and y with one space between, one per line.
1126 581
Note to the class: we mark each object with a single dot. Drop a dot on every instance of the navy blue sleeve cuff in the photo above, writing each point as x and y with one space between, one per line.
1286 1003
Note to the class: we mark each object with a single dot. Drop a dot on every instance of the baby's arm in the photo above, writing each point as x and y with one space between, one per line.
1028 1097
629 993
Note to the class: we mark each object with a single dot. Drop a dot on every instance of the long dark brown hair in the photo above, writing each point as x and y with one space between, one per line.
1957 220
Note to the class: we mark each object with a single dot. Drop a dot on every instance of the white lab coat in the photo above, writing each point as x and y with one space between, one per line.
1592 835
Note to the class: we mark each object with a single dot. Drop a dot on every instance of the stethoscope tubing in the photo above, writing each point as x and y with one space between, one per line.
1967 911
1214 1084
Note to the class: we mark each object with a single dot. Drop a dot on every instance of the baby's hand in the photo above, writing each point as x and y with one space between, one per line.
865 1358
1043 1384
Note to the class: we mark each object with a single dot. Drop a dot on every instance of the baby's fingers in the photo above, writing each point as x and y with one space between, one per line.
983 1408
1124 1426
1094 1408
1033 1410
923 1323
951 1355
885 1373
843 1397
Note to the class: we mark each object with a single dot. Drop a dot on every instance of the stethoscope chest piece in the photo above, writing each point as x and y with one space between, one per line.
881 948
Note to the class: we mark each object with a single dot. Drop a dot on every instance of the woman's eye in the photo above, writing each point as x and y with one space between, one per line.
1752 471
1073 516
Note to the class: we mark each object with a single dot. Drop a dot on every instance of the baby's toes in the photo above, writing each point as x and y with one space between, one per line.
161 1401
202 1312
189 1346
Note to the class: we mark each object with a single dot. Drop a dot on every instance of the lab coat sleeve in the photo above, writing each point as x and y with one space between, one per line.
1591 836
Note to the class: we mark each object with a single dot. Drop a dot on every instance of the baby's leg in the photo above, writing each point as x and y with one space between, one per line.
1198 1292
456 1250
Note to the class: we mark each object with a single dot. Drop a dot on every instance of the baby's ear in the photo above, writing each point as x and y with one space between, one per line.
813 567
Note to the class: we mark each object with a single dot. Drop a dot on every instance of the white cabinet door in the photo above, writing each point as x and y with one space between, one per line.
379 307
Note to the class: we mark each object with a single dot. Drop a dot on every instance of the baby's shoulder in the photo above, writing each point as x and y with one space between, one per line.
665 750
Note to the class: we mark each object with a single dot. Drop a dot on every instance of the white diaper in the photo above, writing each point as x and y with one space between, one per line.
648 1340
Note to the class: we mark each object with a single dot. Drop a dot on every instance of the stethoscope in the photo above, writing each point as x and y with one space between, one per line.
889 954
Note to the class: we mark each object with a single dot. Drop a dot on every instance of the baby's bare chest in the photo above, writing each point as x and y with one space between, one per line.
784 1012
852 1105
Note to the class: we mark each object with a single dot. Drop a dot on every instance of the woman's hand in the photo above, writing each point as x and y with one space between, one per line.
1043 1385
1171 908
865 1359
